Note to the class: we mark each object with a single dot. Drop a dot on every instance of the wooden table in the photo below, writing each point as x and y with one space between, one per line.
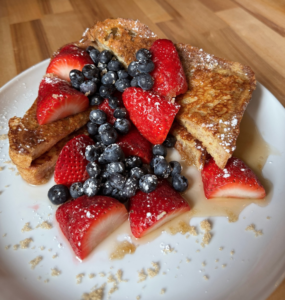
249 31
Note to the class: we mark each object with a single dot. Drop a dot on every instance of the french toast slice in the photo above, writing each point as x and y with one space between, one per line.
190 149
212 109
42 168
28 140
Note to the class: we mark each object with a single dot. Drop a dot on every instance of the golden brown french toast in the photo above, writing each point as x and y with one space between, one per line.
28 140
42 168
212 109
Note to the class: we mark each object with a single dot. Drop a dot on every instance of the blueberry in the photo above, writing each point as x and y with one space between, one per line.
122 125
107 189
130 187
159 150
97 138
98 116
100 146
120 112
162 169
91 186
109 137
115 65
175 167
117 194
133 68
96 80
133 161
93 169
104 127
105 56
89 48
76 77
95 100
134 81
90 71
92 152
76 190
102 66
143 55
117 181
179 183
145 81
122 74
58 194
122 84
113 153
146 169
109 78
88 88
148 183
104 174
113 102
170 141
94 54
155 160
115 167
92 128
146 67
136 172
106 90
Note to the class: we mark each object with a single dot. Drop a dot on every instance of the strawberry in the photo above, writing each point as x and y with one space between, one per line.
133 143
68 58
168 73
150 211
86 221
108 110
236 180
152 114
57 100
71 163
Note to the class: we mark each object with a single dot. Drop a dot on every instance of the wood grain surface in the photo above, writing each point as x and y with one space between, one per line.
249 31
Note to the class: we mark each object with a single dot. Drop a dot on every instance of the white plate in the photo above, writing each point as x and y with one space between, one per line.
256 269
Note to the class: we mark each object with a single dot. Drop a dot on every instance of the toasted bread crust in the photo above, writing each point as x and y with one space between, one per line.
212 108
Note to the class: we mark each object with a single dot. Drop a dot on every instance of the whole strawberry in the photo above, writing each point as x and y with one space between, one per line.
236 180
152 114
71 163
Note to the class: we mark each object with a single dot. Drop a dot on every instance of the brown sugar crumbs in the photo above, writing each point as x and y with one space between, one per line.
251 227
79 278
122 249
183 228
36 261
152 272
206 239
142 275
97 294
55 272
24 244
3 137
205 225
119 276
27 227
45 225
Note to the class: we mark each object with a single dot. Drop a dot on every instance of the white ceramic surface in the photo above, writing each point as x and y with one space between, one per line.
254 272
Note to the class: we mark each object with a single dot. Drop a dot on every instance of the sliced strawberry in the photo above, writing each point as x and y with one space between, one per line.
134 143
108 110
87 221
71 163
152 114
150 211
169 77
68 58
236 180
57 100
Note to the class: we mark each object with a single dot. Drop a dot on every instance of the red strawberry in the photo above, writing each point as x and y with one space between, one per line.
86 221
57 100
71 163
152 114
236 180
150 211
108 110
133 143
168 74
69 57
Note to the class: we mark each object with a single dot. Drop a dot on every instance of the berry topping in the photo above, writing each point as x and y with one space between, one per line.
133 69
94 54
88 87
86 222
146 67
159 150
148 183
168 74
155 160
92 152
115 167
106 90
109 137
91 186
149 211
122 84
236 180
132 162
120 112
117 181
162 169
107 189
58 194
76 78
105 56
104 127
69 57
143 55
145 81
113 153
98 116
95 100
179 182
71 163
57 100
122 74
115 65
136 172
93 169
104 106
122 125
169 141
109 78
92 128
134 81
152 114
175 167
76 190
130 187
113 102
90 71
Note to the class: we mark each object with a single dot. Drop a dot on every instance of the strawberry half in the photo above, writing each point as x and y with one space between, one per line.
150 211
152 114
108 110
69 57
169 77
71 163
86 221
236 180
57 100
133 143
